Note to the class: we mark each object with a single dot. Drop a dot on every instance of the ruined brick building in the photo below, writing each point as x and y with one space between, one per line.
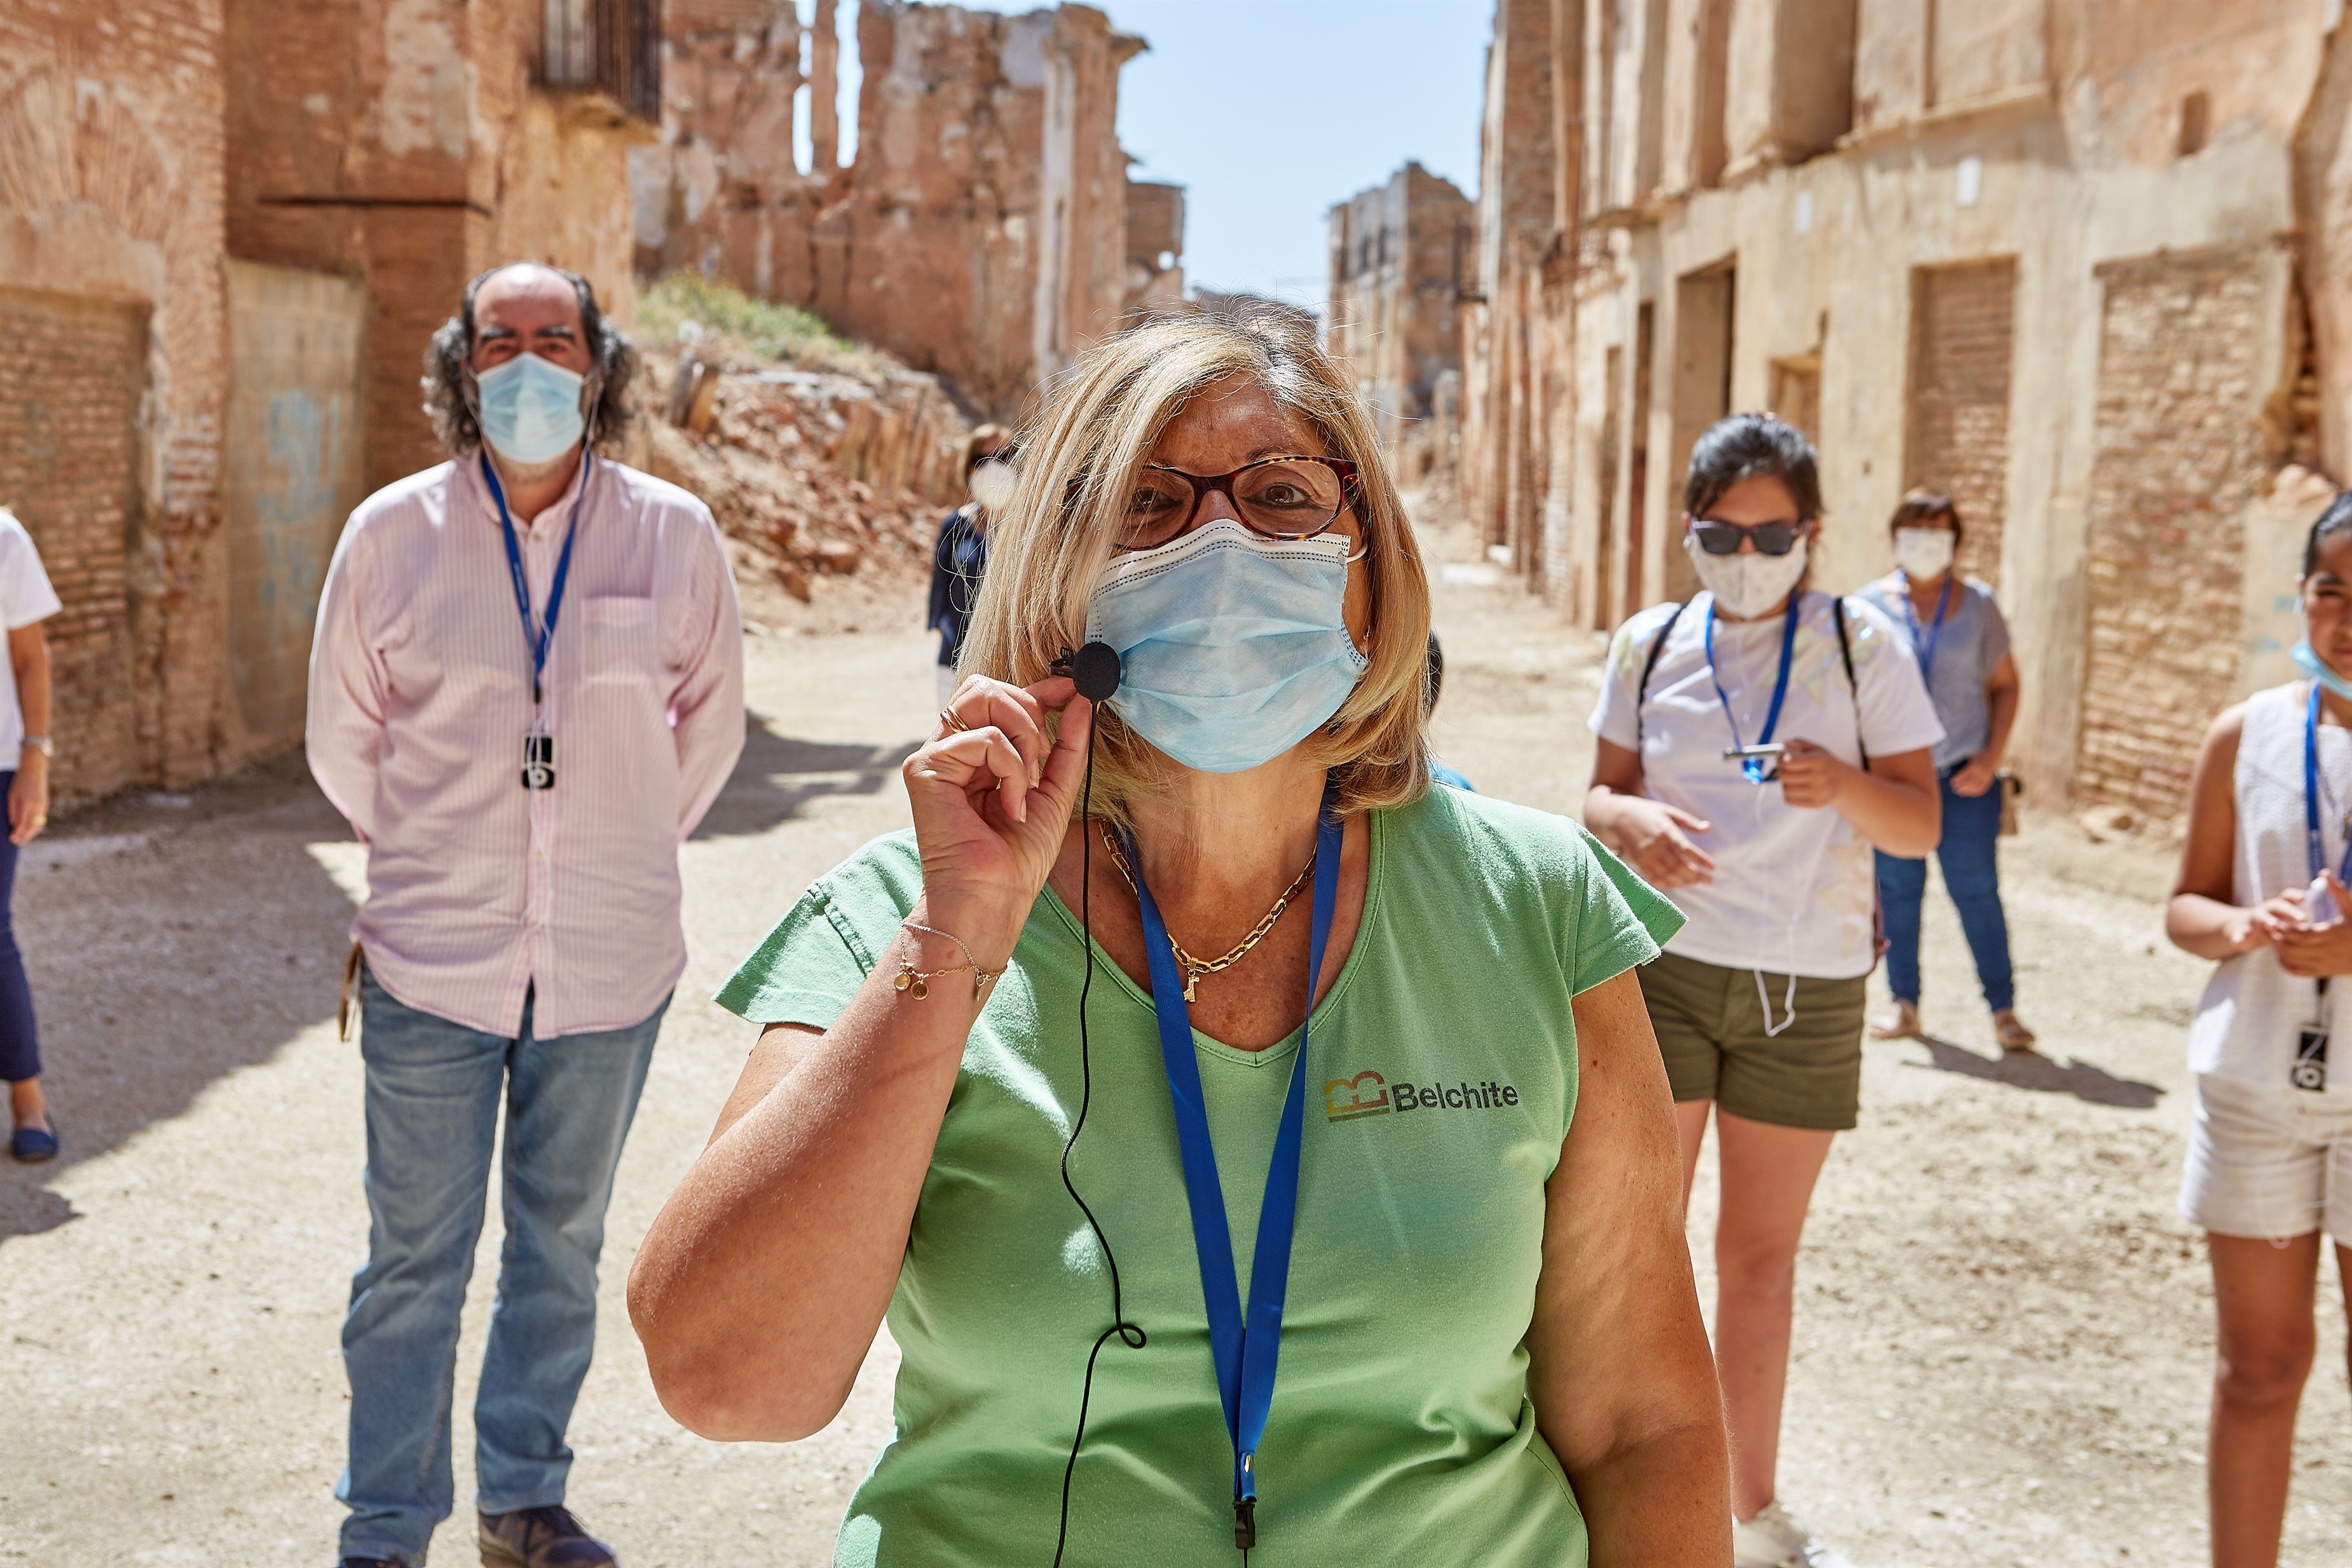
1399 251
986 228
226 228
2082 263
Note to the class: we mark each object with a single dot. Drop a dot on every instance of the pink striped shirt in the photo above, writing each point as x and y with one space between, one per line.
479 889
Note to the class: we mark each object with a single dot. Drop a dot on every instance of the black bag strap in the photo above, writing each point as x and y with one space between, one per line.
1845 657
1649 664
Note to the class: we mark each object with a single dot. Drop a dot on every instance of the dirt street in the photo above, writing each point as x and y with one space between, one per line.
2004 1331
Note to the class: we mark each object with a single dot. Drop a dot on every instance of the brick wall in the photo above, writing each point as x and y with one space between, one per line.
1962 334
70 392
2176 459
110 224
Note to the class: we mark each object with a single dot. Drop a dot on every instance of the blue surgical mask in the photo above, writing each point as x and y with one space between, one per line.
1232 647
530 409
2307 661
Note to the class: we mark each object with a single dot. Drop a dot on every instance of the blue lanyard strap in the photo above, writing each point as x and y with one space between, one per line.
2314 846
1246 1350
1753 767
1927 650
538 636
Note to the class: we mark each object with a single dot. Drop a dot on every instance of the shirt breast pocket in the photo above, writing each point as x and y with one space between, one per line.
623 640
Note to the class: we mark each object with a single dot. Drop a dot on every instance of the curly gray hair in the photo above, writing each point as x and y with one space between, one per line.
448 379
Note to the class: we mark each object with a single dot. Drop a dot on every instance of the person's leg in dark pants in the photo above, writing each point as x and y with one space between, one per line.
1902 885
20 1039
568 1104
433 1090
1968 856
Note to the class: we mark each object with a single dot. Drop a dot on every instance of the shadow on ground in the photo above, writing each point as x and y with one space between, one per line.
779 775
2032 1069
199 947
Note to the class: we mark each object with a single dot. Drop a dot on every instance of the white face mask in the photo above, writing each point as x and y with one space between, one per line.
992 485
1924 554
1748 583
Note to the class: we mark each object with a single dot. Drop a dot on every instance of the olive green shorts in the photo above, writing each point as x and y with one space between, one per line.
1710 1026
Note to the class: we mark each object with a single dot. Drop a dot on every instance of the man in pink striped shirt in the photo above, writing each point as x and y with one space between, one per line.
527 688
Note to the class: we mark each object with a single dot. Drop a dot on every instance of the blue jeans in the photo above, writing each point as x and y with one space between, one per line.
433 1089
1971 829
20 1043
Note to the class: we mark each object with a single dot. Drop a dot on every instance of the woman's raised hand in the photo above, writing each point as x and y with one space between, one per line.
1654 839
992 793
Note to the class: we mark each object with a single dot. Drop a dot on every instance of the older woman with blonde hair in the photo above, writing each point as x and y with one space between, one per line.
1245 1144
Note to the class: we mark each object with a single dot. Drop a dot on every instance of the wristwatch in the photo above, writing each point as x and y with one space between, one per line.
42 744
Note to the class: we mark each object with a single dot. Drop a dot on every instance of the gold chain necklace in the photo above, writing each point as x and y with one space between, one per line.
1196 968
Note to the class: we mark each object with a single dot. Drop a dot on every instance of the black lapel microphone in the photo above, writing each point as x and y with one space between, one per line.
1094 669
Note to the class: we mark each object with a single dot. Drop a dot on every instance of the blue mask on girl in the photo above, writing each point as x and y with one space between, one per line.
530 409
2307 661
1232 647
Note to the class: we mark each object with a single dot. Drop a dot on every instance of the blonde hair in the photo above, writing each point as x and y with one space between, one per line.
1093 434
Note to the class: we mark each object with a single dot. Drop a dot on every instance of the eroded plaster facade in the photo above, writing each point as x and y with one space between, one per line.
980 231
2081 262
1401 254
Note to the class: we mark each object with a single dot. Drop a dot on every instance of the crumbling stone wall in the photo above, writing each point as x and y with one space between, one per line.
1397 251
110 299
980 232
404 142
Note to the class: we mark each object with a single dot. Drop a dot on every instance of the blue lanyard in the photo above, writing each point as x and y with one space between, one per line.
537 637
2314 847
1927 650
1245 1351
1754 765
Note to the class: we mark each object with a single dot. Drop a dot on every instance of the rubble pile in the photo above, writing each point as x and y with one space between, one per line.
828 485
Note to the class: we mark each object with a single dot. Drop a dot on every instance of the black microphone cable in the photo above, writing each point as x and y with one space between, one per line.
1130 1334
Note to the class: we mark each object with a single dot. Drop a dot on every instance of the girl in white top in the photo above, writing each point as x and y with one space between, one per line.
2270 1157
1757 1001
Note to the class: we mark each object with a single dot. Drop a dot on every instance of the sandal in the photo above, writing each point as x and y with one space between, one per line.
2010 1031
1902 1023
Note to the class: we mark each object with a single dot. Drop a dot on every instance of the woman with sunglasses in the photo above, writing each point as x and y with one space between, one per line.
1754 745
1961 638
1220 1004
2262 892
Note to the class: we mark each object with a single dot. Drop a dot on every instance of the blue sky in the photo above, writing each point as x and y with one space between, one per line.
1267 111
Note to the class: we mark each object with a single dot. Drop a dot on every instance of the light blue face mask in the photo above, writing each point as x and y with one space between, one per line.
1232 647
2307 661
530 409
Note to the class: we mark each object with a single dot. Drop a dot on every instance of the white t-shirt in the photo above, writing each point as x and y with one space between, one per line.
25 597
1794 888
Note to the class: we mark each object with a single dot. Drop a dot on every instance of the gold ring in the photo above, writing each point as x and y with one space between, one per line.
955 726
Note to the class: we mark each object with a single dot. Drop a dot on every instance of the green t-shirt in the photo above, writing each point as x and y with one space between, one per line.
1443 1086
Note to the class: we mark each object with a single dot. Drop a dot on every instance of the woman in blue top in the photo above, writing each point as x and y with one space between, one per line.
1962 642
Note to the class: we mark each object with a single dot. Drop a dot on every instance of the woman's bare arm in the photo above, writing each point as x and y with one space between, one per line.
762 1281
1618 1369
1895 802
1650 836
2202 916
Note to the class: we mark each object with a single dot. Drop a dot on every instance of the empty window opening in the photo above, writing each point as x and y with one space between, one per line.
2196 123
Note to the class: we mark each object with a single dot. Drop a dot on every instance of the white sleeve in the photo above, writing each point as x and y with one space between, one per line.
1614 717
25 595
1897 716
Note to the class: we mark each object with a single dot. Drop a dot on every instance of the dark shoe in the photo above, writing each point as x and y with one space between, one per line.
31 1145
371 1563
540 1538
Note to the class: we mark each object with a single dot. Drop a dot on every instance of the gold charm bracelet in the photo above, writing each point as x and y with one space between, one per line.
917 983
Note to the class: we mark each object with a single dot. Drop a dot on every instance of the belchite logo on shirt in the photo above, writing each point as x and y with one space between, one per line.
1344 1099
1369 1094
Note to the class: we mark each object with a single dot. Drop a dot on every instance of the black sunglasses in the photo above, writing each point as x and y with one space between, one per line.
1723 538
